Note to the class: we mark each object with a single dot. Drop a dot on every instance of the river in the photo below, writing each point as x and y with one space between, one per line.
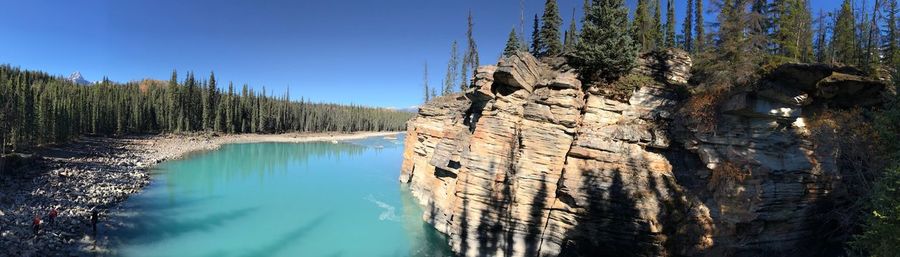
280 199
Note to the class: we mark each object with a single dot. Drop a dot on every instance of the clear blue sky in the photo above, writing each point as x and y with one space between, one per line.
368 52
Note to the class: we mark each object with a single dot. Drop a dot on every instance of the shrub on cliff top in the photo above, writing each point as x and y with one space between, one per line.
605 50
623 88
700 110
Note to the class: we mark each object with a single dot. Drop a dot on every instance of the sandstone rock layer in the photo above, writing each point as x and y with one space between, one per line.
530 162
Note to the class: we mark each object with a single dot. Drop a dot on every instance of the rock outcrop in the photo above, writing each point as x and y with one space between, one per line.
531 162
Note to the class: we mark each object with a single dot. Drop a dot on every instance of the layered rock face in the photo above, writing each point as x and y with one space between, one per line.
763 175
530 162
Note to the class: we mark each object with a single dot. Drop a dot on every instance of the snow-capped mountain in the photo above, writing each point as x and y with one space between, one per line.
412 109
78 79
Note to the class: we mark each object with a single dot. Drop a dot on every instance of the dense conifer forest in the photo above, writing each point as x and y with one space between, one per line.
38 109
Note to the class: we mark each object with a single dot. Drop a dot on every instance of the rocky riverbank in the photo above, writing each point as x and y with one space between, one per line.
94 173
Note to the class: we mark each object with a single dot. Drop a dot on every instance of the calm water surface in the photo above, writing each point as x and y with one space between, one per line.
281 199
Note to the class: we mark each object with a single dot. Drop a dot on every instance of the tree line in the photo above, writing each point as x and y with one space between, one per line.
746 35
459 73
37 108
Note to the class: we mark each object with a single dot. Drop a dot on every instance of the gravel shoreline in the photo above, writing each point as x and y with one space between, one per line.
94 173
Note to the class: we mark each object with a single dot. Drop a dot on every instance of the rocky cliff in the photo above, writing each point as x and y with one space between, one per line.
532 162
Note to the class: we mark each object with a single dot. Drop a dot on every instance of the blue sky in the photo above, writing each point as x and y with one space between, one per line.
368 52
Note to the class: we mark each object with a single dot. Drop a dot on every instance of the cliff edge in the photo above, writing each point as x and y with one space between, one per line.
533 162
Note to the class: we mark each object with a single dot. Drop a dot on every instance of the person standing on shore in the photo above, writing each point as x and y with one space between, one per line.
36 224
95 216
52 216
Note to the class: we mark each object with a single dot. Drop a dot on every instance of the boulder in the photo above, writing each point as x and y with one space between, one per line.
520 70
801 76
565 80
847 90
484 81
839 86
445 105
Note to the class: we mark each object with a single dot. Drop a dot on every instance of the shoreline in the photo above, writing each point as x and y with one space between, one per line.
173 146
99 173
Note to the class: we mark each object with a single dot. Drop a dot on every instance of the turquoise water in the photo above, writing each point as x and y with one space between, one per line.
280 199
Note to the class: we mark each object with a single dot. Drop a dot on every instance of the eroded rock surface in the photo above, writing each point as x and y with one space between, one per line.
530 162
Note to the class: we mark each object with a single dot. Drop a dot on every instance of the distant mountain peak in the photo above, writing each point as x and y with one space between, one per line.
78 79
412 109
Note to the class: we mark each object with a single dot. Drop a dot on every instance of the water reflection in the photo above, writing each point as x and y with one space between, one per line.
255 161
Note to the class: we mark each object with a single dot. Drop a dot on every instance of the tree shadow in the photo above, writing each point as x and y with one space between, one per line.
138 227
536 219
490 229
464 220
608 226
289 238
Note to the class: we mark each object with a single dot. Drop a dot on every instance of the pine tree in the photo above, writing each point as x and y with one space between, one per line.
844 36
890 46
730 30
5 115
219 122
688 29
670 24
512 44
425 83
262 110
871 55
606 47
657 32
784 21
758 31
734 65
173 101
521 32
549 34
571 39
536 44
245 113
805 40
699 24
642 27
470 58
230 110
209 109
793 29
821 45
452 65
190 120
28 124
